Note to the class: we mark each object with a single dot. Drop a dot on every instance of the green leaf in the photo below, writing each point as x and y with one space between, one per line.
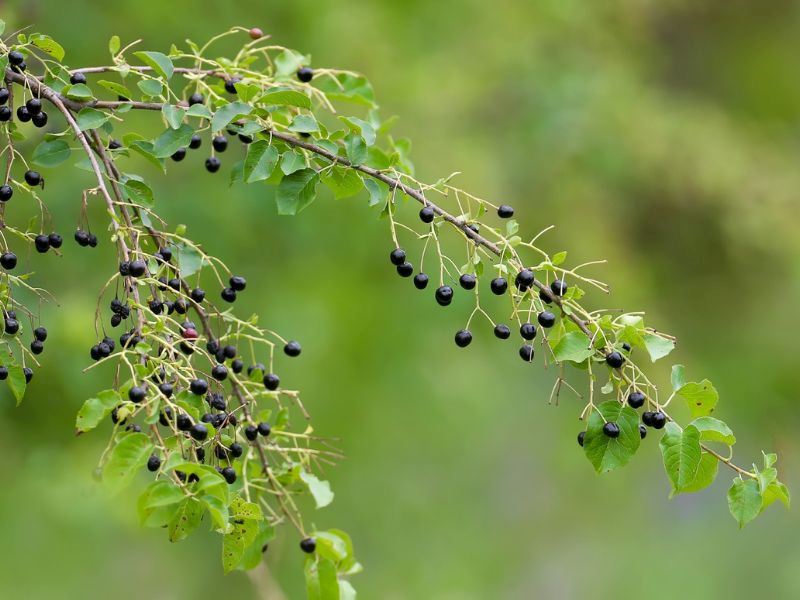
775 491
246 528
714 430
343 182
296 191
377 193
286 98
304 124
744 500
186 519
158 503
260 162
128 456
355 148
706 473
114 45
700 397
681 452
151 87
190 260
94 410
173 115
138 192
47 44
51 153
287 63
16 382
171 140
159 62
362 128
116 88
228 113
322 582
292 161
91 118
79 91
678 377
199 110
320 490
574 346
607 453
657 346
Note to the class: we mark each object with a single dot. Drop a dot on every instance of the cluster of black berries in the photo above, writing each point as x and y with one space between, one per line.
84 238
235 284
636 399
119 312
5 111
17 61
499 285
133 268
43 242
103 349
32 111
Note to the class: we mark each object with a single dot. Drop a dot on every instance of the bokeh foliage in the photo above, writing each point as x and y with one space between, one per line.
661 136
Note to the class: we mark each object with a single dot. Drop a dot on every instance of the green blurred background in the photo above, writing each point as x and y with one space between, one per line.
662 136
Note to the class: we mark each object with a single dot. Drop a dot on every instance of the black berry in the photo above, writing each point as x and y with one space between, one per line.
581 437
179 154
526 353
524 279
271 381
558 287
40 333
229 474
292 349
238 283
220 143
33 178
196 98
15 57
528 331
199 431
546 319
137 394
420 281
153 463
195 142
636 399
219 372
405 270
305 74
502 331
467 281
228 294
55 240
8 260
212 164
642 431
308 545
499 286
264 429
397 256
504 211
42 243
611 429
199 387
77 78
615 359
463 338
426 215
444 295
